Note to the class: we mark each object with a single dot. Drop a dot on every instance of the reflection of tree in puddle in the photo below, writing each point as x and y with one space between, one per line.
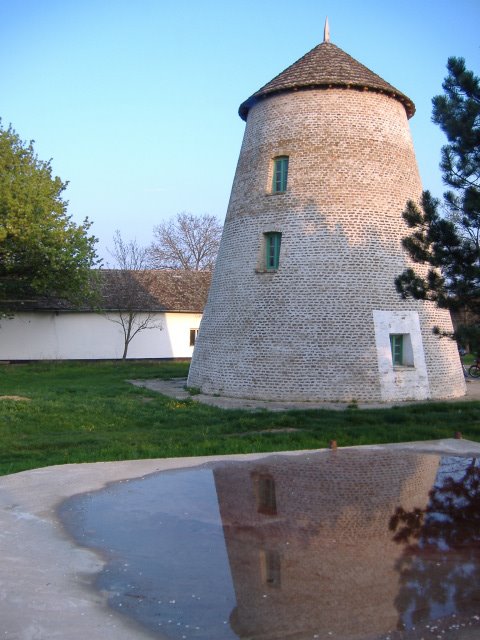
440 566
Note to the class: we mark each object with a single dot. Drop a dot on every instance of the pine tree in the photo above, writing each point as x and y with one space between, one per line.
447 239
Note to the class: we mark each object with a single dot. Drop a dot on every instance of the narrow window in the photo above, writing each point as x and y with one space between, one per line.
272 250
193 336
396 344
280 174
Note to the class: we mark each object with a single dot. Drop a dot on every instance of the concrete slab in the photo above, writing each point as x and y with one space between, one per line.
45 579
176 388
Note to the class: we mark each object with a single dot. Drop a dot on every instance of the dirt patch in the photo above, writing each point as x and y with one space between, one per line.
16 398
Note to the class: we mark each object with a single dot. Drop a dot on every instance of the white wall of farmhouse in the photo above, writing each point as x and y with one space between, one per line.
84 336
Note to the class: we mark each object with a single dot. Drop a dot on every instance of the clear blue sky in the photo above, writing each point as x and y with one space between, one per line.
136 102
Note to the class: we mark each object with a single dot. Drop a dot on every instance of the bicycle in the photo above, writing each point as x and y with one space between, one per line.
474 369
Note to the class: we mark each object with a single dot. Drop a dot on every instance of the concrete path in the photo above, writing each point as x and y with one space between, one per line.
45 579
175 388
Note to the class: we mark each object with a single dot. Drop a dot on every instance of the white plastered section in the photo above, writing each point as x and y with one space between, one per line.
406 382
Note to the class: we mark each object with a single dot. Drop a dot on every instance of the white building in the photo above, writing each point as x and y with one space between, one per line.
54 330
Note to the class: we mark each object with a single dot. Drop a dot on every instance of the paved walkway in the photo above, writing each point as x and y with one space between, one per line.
175 388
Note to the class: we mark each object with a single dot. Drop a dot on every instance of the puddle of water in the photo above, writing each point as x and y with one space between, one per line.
340 544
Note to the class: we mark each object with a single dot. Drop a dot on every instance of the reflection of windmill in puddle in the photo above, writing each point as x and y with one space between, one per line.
309 548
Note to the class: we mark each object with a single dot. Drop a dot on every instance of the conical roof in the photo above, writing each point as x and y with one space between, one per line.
326 66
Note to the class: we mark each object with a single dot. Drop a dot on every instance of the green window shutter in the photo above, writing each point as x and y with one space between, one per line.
396 345
280 174
272 250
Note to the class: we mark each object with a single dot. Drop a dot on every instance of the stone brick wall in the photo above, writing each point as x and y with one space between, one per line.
306 331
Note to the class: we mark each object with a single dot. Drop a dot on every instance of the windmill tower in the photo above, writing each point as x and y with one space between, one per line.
302 304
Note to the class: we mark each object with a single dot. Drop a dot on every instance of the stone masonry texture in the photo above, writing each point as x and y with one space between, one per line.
305 331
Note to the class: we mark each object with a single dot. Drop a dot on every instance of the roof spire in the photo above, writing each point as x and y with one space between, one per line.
326 31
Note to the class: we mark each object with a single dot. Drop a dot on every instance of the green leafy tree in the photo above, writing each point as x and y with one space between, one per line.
448 241
42 252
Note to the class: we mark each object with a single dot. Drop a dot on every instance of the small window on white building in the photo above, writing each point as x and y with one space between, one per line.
193 336
401 347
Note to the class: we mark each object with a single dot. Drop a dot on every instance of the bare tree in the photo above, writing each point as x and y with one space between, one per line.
127 290
186 242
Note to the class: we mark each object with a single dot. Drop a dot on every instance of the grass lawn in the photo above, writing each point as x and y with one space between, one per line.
86 412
